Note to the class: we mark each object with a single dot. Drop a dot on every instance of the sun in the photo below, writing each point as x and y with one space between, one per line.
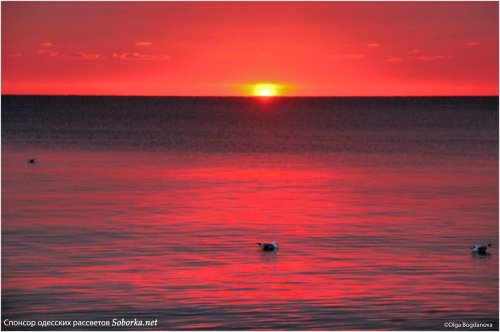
265 90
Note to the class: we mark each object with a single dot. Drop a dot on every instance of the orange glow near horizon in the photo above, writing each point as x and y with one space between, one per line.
209 48
265 90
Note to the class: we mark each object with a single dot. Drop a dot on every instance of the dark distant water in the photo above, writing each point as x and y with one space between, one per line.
150 208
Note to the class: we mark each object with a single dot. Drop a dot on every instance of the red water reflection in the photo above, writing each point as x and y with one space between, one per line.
120 231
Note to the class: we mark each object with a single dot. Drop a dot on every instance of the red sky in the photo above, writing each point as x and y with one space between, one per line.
203 48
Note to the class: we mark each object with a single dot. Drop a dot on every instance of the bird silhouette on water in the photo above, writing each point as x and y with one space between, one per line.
480 248
268 246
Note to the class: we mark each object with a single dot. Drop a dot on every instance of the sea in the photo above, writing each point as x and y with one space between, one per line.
143 213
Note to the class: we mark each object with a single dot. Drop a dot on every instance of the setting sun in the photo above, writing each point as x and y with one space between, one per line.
265 90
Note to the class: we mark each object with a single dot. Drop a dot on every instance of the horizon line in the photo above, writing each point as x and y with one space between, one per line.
238 96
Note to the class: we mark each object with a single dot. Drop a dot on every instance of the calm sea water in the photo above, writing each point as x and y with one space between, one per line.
150 208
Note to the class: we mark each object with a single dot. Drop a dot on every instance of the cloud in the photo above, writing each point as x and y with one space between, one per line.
140 56
353 56
374 45
15 55
47 44
231 56
73 56
47 53
245 55
82 56
97 56
413 52
393 59
143 43
472 43
429 57
262 55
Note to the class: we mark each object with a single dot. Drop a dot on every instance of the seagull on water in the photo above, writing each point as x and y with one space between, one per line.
268 246
480 248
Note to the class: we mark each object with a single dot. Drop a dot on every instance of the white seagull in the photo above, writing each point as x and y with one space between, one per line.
268 246
480 248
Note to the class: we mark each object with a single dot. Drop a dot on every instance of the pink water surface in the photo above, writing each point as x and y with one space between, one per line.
88 235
